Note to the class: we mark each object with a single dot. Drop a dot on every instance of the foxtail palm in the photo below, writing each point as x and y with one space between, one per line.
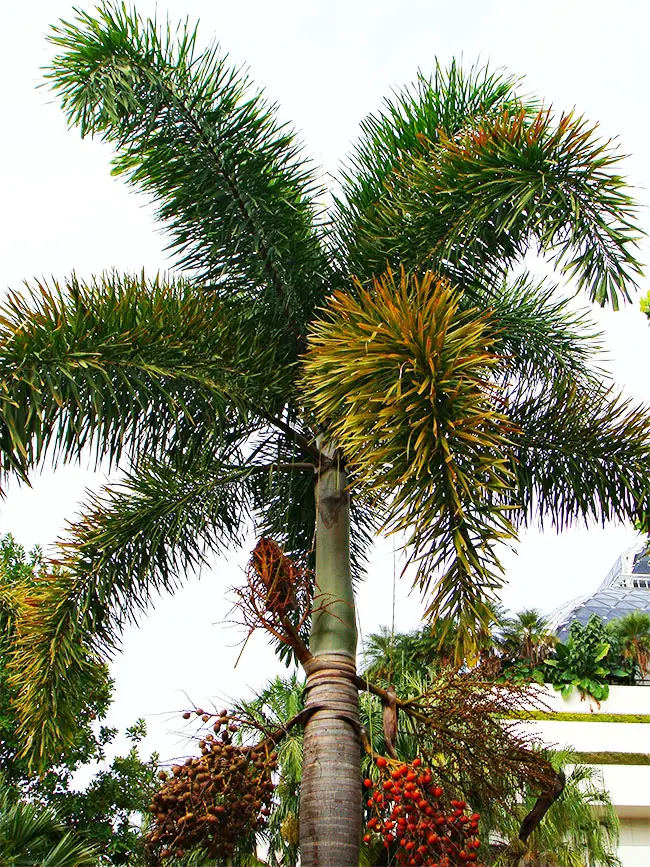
319 373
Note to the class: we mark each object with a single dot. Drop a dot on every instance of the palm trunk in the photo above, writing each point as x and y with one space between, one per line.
330 800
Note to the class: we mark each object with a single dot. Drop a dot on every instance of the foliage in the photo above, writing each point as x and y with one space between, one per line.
525 636
104 814
590 659
390 657
633 634
417 190
224 394
274 705
21 574
580 829
32 834
428 440
644 304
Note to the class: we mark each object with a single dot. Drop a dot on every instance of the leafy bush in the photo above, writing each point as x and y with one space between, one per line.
589 660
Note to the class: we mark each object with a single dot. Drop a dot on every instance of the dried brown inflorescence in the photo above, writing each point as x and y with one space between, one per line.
473 730
277 595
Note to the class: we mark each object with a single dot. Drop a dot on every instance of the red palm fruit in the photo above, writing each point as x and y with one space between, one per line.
367 838
370 802
388 784
381 762
475 817
437 792
431 839
367 783
416 762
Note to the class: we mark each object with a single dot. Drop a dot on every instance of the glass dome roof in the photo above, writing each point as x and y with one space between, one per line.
625 589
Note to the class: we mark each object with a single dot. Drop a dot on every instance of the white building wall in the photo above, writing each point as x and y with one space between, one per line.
634 845
628 785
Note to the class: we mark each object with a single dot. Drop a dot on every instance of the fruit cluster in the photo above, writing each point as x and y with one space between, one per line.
409 813
214 800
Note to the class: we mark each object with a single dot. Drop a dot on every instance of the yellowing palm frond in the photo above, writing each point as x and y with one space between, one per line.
402 378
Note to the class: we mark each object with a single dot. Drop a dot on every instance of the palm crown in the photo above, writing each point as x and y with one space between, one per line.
393 338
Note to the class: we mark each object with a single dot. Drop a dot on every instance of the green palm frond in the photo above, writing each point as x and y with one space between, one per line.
400 378
30 834
471 202
229 180
125 364
280 701
140 536
540 335
447 103
580 829
580 454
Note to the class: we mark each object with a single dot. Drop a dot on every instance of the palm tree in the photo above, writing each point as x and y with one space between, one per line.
30 834
323 374
633 632
389 656
526 636
580 829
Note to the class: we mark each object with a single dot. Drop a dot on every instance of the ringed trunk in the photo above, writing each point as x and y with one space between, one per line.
330 799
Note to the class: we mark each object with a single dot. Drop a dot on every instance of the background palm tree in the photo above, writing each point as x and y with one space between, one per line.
241 392
526 636
30 835
580 829
633 631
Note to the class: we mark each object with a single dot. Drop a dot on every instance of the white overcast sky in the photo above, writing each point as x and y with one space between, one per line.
327 63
